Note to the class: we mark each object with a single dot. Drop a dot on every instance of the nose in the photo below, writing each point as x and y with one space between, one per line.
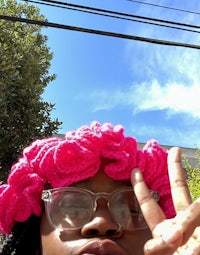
102 224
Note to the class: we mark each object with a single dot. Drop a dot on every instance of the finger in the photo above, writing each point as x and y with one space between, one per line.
167 240
159 246
180 192
149 207
190 221
192 247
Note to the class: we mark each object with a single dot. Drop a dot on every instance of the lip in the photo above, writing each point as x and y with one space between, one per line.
101 247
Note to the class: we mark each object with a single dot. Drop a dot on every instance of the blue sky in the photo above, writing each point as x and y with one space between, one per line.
152 90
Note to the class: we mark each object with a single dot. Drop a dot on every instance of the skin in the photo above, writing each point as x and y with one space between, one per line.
177 236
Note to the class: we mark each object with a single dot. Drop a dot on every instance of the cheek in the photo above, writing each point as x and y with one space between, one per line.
133 242
55 242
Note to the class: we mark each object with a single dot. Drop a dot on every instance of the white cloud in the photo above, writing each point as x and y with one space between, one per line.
176 98
169 77
173 97
164 78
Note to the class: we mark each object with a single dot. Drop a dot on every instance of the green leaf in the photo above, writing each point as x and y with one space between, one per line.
25 59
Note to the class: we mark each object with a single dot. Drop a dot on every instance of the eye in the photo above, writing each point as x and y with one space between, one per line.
73 206
134 212
124 211
74 211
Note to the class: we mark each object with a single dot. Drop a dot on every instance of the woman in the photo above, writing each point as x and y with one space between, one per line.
75 196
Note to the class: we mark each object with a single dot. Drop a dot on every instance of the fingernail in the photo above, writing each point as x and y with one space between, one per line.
173 234
136 176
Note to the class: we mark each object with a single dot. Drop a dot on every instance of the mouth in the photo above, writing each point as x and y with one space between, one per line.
101 247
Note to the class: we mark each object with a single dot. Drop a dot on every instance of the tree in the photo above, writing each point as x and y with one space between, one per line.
193 175
24 74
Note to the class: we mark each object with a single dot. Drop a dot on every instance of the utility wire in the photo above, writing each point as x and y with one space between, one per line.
88 8
166 7
111 16
98 32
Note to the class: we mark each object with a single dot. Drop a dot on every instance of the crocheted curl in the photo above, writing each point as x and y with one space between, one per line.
78 156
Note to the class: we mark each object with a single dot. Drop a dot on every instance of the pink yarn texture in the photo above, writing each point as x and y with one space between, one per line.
61 162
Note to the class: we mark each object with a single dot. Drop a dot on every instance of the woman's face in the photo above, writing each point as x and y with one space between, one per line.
97 237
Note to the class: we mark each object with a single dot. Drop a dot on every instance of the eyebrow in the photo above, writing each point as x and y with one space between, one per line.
89 183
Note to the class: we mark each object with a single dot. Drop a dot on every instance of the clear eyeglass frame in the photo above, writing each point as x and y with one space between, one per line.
72 207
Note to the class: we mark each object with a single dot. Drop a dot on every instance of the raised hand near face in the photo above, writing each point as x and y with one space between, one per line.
181 234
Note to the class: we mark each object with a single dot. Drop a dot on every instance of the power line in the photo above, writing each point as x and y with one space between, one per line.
98 32
166 7
103 11
118 15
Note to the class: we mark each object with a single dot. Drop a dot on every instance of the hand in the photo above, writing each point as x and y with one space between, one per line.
181 234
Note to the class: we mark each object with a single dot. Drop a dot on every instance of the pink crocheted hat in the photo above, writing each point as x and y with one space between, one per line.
61 162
